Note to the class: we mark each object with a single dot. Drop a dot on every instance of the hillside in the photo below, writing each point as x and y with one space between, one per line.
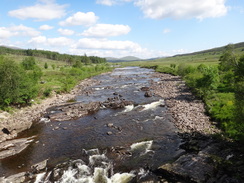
209 57
123 59
238 47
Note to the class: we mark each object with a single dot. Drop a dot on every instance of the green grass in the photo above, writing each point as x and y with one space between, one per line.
60 77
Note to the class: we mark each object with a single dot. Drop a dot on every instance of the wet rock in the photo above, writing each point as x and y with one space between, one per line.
65 128
74 111
17 178
119 128
148 94
190 167
13 147
109 133
110 125
145 88
39 166
116 103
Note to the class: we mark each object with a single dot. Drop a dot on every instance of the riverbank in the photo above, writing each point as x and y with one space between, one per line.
187 111
207 157
23 118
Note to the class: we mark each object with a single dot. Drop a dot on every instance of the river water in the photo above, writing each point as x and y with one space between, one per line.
111 145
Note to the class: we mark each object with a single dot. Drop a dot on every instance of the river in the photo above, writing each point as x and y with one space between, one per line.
110 145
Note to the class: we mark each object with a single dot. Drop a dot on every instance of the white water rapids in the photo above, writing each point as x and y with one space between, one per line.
98 170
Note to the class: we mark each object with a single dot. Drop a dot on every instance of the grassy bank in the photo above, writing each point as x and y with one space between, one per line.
217 78
25 79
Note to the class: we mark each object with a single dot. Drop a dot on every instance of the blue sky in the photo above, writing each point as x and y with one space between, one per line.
117 28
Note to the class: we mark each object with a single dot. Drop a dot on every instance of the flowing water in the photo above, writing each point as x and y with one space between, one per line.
111 145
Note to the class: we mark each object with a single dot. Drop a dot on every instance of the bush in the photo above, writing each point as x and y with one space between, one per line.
47 92
17 86
29 63
45 65
169 70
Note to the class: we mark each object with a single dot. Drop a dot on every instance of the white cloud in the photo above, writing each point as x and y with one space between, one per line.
52 42
38 40
106 2
106 30
22 30
5 33
66 32
59 41
179 9
111 2
45 10
80 18
165 31
46 27
106 44
18 30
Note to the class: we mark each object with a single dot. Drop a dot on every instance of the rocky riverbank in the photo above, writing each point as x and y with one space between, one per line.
22 119
207 158
187 111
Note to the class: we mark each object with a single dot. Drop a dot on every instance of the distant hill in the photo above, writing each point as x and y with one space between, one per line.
237 46
123 59
11 47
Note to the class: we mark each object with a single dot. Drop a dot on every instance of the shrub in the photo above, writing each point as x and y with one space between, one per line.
47 92
29 63
17 86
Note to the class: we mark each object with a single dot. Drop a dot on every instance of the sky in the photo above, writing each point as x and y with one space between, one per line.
118 28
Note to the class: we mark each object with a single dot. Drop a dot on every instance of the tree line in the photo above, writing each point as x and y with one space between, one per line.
70 59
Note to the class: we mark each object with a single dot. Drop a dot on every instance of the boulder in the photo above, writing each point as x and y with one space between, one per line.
190 168
17 178
12 147
148 94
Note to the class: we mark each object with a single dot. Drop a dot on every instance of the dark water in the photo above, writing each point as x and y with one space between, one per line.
141 138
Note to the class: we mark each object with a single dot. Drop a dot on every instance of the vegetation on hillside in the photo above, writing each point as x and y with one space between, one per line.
24 77
69 59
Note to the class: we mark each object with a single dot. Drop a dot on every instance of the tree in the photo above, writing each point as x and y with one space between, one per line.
45 65
239 98
29 63
17 86
77 64
228 60
86 60
209 81
53 66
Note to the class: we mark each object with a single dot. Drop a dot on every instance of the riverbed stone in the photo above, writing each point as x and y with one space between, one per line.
148 94
17 178
190 167
39 166
13 147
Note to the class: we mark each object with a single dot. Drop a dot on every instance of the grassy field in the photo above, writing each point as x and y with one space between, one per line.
208 57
